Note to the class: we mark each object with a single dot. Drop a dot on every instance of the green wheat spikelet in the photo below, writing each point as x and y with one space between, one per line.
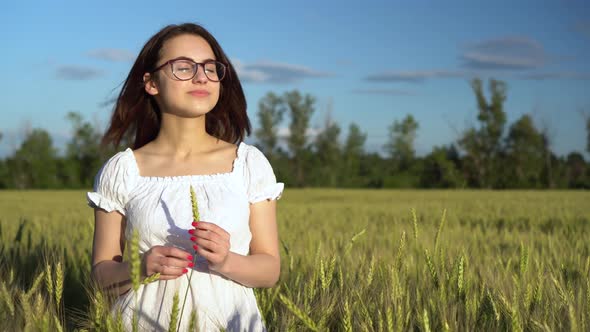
196 217
400 251
48 279
439 231
431 267
347 319
135 261
415 224
194 205
298 313
460 276
7 298
59 283
426 321
35 286
193 321
152 278
174 314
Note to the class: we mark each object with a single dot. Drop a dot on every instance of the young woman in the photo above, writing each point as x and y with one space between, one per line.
184 106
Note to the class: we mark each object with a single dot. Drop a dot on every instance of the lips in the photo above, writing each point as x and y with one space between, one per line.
199 93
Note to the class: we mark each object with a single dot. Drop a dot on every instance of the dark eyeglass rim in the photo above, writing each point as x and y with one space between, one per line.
171 61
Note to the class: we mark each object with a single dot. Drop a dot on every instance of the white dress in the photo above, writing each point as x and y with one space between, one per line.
159 208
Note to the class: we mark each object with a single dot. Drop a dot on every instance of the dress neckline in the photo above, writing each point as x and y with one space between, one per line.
237 159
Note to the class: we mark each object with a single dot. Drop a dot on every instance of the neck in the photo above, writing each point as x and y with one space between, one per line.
183 136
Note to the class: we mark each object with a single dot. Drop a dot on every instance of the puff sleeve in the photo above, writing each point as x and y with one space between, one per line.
111 184
261 183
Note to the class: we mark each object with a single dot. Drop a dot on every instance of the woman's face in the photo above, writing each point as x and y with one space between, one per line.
190 98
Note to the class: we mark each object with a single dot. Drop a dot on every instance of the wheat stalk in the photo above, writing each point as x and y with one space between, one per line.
439 231
35 286
135 271
196 218
415 224
298 313
389 318
57 323
425 321
460 272
431 268
400 250
7 298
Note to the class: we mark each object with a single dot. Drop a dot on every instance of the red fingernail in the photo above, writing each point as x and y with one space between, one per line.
195 223
184 270
191 231
189 257
191 264
193 238
196 247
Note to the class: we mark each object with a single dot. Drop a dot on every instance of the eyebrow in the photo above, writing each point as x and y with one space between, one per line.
187 58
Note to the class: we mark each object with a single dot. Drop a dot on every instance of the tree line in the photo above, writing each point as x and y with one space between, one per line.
491 154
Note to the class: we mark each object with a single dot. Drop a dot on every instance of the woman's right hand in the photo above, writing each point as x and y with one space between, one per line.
170 262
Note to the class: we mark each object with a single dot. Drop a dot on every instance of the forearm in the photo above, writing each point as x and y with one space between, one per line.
257 270
112 276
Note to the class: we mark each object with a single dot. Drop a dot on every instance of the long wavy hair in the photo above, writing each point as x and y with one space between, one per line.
136 115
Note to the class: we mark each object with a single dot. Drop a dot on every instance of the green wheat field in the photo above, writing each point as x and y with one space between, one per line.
352 260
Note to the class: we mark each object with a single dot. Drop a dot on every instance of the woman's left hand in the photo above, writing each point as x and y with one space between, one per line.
211 242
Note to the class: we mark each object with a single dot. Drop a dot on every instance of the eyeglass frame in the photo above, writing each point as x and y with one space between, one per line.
171 61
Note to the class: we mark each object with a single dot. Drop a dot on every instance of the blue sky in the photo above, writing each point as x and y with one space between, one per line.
370 62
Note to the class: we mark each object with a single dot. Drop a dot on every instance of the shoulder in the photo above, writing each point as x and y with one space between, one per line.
252 155
120 162
113 182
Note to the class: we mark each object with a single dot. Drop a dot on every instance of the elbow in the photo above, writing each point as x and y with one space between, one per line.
275 275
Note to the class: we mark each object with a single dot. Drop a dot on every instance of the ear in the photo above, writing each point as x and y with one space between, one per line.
149 84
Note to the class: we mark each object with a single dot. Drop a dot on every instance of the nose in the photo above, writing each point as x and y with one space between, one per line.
200 75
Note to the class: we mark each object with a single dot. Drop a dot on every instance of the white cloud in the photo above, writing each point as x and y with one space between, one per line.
511 52
275 72
112 54
77 73
415 76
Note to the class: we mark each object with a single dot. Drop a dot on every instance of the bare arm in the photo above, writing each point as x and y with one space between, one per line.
262 267
108 268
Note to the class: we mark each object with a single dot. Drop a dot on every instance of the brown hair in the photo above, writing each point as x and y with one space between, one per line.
136 113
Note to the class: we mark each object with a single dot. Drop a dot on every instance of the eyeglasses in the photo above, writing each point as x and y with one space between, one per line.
185 69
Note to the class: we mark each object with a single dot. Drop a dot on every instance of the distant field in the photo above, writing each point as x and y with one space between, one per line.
352 260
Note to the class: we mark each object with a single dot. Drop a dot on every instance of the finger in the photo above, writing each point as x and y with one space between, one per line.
174 262
174 252
209 245
168 277
208 226
171 271
208 255
212 236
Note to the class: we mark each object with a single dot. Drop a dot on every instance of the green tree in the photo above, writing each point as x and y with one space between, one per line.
328 151
439 169
525 149
300 109
34 164
400 144
483 145
84 155
270 114
353 152
3 171
588 134
576 171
